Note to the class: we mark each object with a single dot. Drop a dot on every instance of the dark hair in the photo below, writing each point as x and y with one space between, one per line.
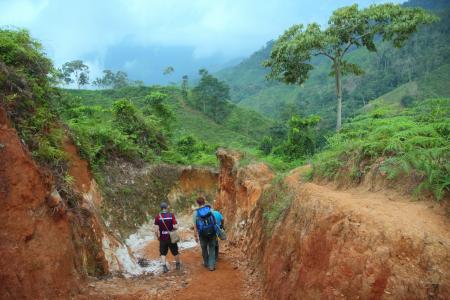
163 205
201 201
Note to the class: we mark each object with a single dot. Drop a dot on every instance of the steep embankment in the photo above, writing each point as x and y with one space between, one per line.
38 258
326 243
49 239
193 182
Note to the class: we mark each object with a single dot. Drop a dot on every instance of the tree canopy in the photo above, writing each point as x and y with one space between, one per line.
113 80
184 86
23 66
75 71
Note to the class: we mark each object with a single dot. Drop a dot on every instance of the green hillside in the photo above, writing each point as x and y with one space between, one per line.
401 137
188 121
435 84
385 70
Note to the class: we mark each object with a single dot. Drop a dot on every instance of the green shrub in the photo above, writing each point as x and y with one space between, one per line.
266 145
276 201
407 101
100 142
301 140
308 175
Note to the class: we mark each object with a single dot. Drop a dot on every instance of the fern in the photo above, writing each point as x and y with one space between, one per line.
413 142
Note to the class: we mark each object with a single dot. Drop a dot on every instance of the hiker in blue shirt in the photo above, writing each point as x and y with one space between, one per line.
205 232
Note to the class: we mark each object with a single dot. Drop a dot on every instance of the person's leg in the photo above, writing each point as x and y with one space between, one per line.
174 250
212 253
204 246
163 249
217 250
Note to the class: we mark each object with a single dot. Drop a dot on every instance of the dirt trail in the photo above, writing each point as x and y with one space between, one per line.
386 208
398 212
224 283
374 213
229 281
357 243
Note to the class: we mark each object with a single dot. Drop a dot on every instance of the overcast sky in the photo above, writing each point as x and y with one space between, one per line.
118 34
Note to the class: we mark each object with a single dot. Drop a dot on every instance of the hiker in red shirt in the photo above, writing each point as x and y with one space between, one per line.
164 223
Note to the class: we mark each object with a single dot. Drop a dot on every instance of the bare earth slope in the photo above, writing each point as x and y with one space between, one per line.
37 254
375 245
338 244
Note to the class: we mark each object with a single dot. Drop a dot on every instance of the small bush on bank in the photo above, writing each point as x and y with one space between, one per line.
276 201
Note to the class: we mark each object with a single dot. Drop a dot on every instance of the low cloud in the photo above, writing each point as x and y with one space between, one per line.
227 28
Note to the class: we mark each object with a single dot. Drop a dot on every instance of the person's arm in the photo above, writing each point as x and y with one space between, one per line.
156 227
194 219
174 222
221 220
195 233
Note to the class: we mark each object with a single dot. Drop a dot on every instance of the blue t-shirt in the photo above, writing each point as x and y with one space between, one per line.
218 217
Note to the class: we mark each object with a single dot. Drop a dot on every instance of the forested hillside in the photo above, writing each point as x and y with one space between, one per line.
384 71
186 135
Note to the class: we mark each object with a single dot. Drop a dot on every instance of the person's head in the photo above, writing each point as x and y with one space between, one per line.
201 201
163 205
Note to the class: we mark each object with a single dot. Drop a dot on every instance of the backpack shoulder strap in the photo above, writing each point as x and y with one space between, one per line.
161 218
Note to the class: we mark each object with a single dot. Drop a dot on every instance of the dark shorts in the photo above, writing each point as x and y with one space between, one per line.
165 245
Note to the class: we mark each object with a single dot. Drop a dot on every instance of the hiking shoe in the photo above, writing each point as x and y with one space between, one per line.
165 269
212 268
178 266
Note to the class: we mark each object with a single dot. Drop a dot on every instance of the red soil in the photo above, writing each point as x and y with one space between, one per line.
337 244
36 250
224 283
193 282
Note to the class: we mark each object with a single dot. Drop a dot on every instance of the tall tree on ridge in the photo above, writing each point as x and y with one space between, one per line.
169 70
184 86
211 96
83 79
77 69
348 28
